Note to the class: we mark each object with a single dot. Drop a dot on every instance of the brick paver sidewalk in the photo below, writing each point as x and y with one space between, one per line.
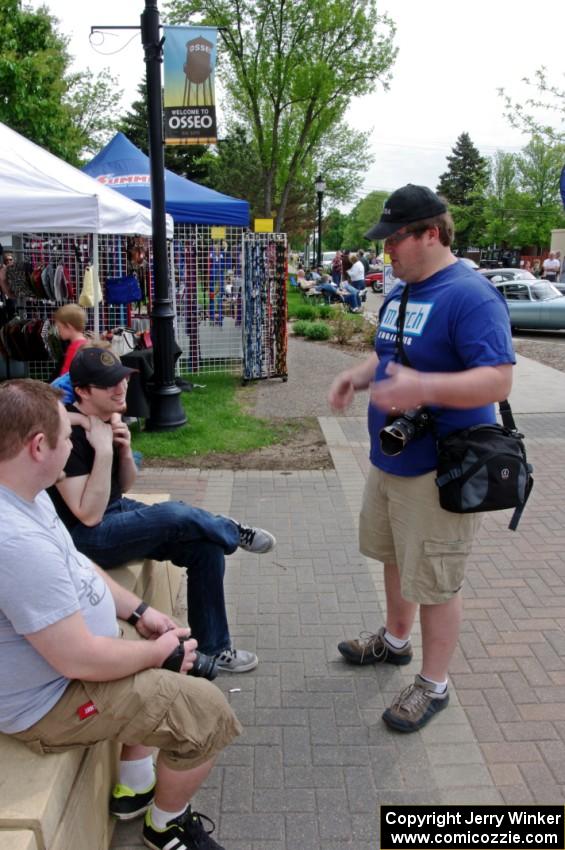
315 759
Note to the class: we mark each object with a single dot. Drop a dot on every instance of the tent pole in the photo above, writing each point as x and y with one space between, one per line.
96 270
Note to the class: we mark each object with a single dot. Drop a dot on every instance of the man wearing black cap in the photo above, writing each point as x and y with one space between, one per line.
443 344
111 529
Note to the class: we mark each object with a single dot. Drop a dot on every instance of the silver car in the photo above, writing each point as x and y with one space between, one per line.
533 304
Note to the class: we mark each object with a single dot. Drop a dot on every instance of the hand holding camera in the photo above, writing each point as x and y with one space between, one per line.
204 666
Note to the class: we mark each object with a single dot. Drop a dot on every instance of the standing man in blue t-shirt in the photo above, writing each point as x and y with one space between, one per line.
456 339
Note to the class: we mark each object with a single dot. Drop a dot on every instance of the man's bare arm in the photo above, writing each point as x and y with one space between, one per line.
347 383
406 388
76 653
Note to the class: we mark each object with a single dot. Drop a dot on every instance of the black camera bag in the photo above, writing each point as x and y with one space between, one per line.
484 468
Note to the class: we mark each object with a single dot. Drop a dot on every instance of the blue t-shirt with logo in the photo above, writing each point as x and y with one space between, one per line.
455 320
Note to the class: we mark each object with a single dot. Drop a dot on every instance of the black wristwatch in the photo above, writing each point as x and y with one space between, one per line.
134 618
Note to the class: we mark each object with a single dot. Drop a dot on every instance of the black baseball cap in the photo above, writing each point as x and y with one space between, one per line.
97 367
406 205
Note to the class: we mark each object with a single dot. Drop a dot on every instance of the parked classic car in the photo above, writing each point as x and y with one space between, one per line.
502 275
375 280
533 304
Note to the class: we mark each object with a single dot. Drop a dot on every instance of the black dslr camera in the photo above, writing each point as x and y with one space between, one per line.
204 665
401 429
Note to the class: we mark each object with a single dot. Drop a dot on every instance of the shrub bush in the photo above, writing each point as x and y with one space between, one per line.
317 330
343 328
299 328
305 312
325 311
369 330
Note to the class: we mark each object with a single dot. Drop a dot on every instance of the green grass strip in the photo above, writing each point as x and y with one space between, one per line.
217 422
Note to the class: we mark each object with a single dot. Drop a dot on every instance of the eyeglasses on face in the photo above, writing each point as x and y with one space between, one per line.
397 238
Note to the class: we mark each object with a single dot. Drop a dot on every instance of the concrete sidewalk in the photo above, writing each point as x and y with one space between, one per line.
315 759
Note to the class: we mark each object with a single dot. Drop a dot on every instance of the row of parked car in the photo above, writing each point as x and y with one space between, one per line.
533 304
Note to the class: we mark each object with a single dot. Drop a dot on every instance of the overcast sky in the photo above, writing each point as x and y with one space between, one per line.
453 57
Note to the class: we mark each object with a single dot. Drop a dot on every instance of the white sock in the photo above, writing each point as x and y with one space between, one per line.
396 643
160 818
138 775
437 687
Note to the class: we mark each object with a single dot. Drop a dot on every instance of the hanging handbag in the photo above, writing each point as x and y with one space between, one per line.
123 290
123 341
485 468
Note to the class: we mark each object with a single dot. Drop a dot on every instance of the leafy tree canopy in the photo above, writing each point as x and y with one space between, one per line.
63 112
289 71
467 173
530 115
189 161
361 218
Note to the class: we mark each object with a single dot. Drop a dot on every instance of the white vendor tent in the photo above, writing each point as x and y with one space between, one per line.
41 192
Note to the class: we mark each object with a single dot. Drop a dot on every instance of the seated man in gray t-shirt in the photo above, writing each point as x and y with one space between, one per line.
66 678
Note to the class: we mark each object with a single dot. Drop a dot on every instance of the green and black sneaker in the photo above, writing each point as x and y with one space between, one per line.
186 831
126 804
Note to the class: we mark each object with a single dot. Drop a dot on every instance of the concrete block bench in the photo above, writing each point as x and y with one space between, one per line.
60 801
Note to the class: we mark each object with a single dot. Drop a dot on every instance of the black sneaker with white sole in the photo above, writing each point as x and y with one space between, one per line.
183 833
126 804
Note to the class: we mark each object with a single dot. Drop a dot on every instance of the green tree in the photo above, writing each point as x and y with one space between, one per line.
530 114
466 175
500 221
189 161
93 100
289 71
464 186
67 113
361 218
523 204
33 85
333 230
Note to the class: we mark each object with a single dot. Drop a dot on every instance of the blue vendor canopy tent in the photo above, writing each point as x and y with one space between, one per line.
125 168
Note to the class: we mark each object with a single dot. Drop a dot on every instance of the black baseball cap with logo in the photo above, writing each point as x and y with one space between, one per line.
97 367
409 204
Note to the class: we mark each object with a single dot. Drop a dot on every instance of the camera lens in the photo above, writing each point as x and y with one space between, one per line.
204 666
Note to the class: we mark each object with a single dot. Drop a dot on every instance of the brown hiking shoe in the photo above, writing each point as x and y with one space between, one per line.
415 706
371 649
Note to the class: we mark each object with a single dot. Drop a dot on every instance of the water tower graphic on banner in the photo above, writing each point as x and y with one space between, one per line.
189 102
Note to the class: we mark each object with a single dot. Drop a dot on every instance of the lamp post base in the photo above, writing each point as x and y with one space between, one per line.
166 409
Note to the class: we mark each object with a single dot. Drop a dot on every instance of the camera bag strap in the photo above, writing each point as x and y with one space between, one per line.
400 353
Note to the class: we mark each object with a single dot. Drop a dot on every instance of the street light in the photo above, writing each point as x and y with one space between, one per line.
320 187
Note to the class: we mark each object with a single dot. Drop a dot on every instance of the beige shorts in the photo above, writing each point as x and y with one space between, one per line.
402 523
188 719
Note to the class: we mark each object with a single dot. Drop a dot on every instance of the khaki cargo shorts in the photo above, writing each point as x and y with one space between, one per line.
402 523
188 719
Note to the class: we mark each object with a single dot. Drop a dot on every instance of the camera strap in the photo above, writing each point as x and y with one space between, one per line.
400 353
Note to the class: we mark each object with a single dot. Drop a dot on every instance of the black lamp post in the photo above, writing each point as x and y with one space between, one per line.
320 187
166 407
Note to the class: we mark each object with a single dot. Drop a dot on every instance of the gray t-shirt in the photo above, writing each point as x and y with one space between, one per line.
43 579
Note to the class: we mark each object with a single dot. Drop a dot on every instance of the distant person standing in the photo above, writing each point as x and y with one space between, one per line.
336 268
551 267
357 273
346 264
365 260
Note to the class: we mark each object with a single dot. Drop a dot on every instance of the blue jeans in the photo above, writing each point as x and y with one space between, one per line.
171 531
359 285
352 298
